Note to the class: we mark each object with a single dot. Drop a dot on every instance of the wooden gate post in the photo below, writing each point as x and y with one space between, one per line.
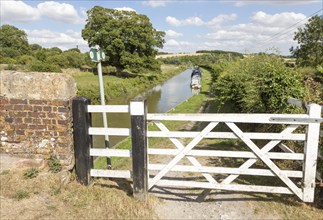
82 139
310 153
138 112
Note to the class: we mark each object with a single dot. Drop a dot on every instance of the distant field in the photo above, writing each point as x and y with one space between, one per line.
179 55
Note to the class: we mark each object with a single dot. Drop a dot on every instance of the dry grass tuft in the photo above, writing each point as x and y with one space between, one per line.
46 197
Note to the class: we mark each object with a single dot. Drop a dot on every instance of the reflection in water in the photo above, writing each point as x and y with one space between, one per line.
160 99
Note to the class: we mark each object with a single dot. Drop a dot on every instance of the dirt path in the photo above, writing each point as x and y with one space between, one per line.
189 203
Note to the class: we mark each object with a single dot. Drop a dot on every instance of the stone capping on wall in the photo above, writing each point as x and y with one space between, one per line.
36 115
37 85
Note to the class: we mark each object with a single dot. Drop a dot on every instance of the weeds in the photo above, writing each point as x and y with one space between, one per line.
54 164
21 194
31 173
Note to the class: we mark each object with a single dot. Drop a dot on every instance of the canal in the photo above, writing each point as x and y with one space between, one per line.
160 99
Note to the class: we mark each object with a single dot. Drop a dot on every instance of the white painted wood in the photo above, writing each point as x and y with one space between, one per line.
231 187
183 152
137 108
109 131
180 146
266 160
111 173
101 152
287 149
236 118
226 170
227 135
233 154
108 108
310 151
270 145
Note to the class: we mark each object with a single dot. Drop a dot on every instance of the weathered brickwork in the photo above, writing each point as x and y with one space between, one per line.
36 128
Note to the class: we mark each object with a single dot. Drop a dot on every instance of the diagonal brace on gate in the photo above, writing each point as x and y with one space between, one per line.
182 153
180 146
270 145
262 156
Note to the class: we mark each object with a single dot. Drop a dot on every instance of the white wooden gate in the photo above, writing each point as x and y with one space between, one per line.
290 178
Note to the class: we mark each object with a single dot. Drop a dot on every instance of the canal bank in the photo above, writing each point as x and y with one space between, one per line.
191 105
160 99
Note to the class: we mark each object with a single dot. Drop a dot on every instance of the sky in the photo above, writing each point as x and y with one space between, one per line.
234 25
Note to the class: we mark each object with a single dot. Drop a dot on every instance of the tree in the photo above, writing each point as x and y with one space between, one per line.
128 39
310 40
13 42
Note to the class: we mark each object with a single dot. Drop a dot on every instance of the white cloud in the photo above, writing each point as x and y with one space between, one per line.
48 38
278 20
218 20
173 34
173 46
195 21
18 11
265 31
125 9
173 42
156 3
275 2
60 12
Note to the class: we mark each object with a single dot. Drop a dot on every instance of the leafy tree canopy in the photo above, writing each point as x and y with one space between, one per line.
128 39
310 40
13 41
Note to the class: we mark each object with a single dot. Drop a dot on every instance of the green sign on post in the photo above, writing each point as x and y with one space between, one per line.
97 55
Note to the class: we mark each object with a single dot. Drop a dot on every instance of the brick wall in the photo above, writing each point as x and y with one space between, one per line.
37 128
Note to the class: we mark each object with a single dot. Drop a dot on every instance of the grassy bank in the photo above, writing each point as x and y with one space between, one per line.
115 86
192 105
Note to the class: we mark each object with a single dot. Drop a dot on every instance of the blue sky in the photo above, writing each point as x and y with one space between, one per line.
241 26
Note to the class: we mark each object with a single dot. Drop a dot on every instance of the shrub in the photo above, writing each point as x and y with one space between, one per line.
261 83
44 67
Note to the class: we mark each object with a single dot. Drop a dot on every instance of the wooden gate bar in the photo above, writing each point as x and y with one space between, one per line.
310 151
180 146
266 160
138 112
264 150
82 140
183 152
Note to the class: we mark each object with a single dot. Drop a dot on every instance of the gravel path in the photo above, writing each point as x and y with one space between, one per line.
189 203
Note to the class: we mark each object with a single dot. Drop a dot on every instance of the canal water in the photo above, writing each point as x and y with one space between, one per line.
160 99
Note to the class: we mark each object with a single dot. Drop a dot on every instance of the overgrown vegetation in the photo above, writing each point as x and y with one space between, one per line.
54 164
258 84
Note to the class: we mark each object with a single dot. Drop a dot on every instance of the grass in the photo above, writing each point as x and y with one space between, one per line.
20 197
115 86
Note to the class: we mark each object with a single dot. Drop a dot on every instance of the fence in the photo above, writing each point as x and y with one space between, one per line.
139 152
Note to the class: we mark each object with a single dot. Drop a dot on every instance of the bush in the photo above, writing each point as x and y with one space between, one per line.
44 67
261 83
